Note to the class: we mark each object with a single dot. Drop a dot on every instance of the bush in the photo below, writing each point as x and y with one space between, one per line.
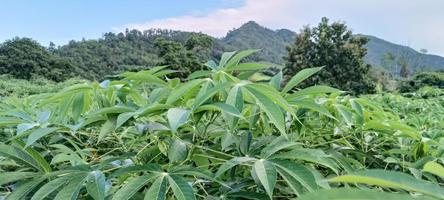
433 79
216 135
10 86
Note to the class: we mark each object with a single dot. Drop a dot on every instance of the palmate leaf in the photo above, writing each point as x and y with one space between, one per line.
95 185
37 134
50 187
356 194
277 145
20 156
133 186
391 179
270 108
231 163
177 117
267 175
225 108
310 155
183 89
291 170
24 189
181 189
238 57
177 151
158 189
71 190
8 177
224 59
317 89
299 77
205 93
235 99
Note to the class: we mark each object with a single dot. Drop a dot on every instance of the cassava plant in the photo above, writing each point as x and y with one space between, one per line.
216 135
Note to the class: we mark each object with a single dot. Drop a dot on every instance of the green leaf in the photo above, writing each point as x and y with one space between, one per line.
235 99
78 106
355 194
432 167
144 76
238 57
391 179
124 117
317 89
50 187
249 66
270 108
177 152
299 77
206 94
95 185
276 81
345 113
133 186
106 128
276 145
37 134
310 155
177 117
181 189
158 189
8 177
19 155
183 89
273 95
224 59
294 171
198 74
24 189
72 189
266 174
225 108
231 163
313 106
21 128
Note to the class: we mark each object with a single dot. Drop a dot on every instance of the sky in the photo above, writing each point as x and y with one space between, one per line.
415 23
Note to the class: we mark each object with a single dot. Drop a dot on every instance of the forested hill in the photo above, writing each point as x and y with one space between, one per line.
134 50
272 43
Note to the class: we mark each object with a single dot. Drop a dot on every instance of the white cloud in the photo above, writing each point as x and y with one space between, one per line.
415 22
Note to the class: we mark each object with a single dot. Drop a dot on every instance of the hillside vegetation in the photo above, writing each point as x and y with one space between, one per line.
135 50
219 135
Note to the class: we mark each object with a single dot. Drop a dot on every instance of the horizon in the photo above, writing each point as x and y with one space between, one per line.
392 21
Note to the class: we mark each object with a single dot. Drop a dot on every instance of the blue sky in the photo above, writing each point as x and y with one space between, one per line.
416 23
63 20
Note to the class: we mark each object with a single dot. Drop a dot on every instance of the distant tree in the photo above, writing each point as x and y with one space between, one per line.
404 71
336 48
25 58
184 58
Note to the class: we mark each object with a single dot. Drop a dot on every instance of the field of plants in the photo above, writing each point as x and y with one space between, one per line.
220 135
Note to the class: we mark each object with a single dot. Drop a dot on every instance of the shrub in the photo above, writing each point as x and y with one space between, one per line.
215 136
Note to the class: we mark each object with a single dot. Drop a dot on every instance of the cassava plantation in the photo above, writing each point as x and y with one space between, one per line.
147 113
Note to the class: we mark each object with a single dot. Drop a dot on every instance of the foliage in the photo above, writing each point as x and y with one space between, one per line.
332 46
216 135
433 79
25 58
184 58
21 88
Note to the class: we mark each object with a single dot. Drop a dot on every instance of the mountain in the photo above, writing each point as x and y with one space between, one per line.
272 43
135 50
253 36
377 49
